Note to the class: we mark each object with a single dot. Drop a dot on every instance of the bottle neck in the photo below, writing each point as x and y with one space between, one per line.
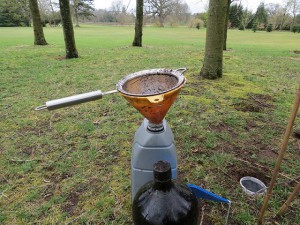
163 186
162 175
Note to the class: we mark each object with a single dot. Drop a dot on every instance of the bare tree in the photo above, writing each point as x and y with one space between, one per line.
286 8
117 6
54 17
275 14
295 9
49 12
159 8
247 17
283 16
180 12
39 38
44 8
118 10
71 51
213 58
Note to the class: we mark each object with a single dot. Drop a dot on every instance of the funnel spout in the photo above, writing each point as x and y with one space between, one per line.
156 128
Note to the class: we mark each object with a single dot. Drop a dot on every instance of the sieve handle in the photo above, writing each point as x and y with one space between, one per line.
183 70
73 100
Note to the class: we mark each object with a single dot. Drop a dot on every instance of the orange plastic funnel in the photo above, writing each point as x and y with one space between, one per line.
152 92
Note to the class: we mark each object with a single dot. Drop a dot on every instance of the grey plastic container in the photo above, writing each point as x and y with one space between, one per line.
253 186
148 148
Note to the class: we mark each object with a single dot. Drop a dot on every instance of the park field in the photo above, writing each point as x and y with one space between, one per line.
72 166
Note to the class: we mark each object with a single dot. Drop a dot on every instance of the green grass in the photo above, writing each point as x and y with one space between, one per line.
78 159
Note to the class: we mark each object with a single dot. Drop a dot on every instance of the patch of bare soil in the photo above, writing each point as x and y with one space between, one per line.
207 213
27 150
60 58
193 88
207 221
297 133
39 129
221 127
255 146
291 213
267 154
70 205
237 172
56 177
3 180
48 191
204 219
295 58
254 103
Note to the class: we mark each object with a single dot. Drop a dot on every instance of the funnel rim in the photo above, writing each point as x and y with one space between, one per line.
160 71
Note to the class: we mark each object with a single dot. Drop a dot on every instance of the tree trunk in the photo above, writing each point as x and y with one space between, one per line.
213 58
137 41
161 21
76 6
226 25
52 23
39 38
76 17
71 51
293 22
281 22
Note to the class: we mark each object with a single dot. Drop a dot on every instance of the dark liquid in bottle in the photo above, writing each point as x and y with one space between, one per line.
164 201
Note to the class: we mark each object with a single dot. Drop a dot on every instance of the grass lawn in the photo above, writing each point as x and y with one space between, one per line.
72 166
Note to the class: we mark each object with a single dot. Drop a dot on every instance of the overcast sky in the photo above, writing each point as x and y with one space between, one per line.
194 5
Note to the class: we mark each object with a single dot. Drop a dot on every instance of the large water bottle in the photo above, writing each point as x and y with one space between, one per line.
148 148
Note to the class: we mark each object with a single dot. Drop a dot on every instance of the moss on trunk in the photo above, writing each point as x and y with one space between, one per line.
71 51
213 59
39 38
137 41
226 25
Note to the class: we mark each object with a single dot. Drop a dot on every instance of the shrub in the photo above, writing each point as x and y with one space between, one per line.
173 24
254 27
156 24
241 27
270 27
296 29
196 23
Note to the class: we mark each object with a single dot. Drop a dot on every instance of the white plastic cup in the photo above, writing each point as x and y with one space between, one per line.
253 186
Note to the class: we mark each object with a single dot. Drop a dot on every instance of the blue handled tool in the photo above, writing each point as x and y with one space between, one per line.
205 194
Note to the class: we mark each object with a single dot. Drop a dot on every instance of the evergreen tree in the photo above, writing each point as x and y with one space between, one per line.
254 26
14 13
269 27
82 8
235 15
261 15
